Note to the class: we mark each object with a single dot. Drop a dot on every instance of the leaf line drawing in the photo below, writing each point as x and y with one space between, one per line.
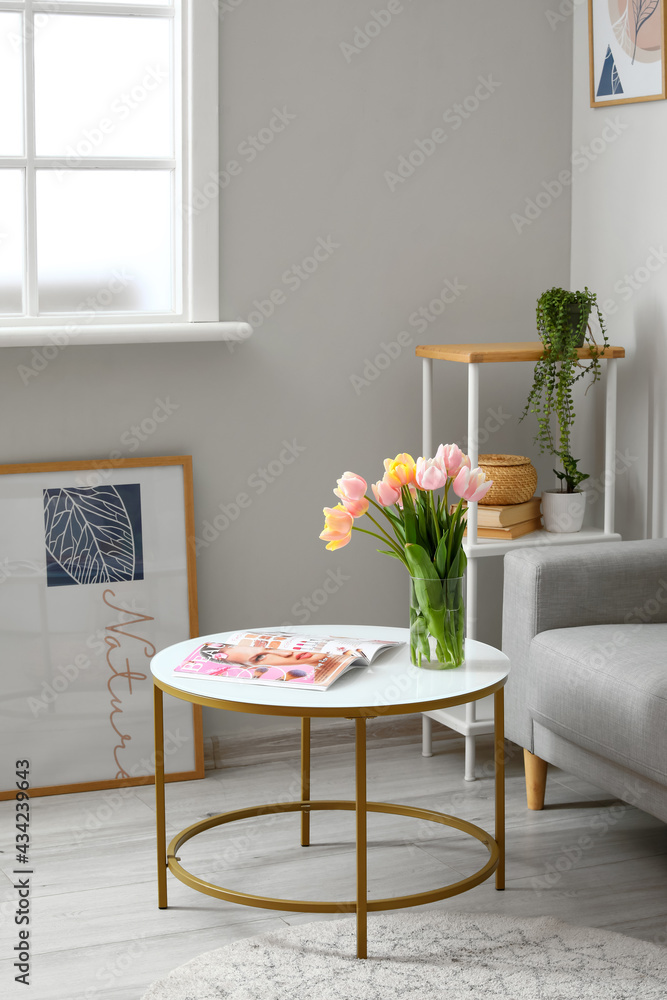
642 10
621 28
89 534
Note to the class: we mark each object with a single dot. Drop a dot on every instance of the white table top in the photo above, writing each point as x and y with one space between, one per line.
391 685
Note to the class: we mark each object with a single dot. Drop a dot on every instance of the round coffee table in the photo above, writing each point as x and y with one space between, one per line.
390 686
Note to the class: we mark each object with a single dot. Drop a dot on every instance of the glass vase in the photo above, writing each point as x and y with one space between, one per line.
437 623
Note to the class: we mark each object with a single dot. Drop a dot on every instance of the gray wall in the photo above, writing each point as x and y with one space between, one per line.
323 178
618 224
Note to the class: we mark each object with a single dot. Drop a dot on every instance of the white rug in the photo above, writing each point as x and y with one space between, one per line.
429 955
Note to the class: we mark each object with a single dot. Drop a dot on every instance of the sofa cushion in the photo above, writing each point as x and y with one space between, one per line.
604 688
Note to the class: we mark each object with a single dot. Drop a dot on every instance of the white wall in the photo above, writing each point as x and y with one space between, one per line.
322 177
618 223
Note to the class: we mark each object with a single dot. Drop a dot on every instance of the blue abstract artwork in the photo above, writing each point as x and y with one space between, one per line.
93 535
610 84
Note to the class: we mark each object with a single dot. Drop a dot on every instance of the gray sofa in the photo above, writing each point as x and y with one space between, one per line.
585 628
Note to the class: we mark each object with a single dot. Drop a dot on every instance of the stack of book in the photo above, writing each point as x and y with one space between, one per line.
508 520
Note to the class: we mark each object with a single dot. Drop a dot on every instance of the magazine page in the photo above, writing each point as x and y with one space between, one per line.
366 649
272 658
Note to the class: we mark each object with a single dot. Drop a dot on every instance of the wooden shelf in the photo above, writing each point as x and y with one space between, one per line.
472 355
527 350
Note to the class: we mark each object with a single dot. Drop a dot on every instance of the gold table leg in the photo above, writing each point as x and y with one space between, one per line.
159 799
499 757
362 870
305 781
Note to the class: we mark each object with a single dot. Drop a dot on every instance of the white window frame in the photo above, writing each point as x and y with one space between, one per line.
196 248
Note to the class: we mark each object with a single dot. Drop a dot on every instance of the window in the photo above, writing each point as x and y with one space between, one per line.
101 104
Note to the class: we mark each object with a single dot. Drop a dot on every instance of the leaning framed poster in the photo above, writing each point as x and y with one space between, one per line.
97 572
626 51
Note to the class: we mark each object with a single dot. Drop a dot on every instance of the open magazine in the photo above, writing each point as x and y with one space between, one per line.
276 657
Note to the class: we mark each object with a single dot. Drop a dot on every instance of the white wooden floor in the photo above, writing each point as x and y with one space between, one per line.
97 932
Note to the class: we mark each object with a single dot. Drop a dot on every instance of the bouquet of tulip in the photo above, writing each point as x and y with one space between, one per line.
427 539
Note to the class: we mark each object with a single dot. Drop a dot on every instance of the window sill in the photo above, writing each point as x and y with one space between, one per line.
88 334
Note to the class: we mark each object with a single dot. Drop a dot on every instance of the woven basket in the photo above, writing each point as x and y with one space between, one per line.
514 478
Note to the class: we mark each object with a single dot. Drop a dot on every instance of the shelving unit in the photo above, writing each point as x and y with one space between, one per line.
474 719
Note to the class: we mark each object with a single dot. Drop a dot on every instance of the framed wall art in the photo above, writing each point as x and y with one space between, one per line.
97 572
626 51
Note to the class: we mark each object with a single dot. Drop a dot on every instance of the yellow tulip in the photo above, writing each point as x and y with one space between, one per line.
337 527
399 471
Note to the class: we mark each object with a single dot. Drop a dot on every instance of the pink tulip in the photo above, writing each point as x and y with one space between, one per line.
337 527
351 490
357 508
351 486
472 484
451 460
429 475
385 494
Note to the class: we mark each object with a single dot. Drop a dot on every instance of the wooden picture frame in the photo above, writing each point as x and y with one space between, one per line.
97 572
627 57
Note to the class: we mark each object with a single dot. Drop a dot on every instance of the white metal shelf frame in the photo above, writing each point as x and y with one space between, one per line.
468 722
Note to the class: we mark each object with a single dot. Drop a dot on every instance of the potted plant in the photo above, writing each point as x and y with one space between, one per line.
563 509
564 327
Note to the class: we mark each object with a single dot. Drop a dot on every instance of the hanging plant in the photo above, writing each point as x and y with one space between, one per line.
563 326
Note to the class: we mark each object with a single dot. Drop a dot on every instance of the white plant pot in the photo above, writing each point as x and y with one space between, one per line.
563 512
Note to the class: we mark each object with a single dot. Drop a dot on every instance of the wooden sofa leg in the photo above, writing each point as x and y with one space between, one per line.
536 779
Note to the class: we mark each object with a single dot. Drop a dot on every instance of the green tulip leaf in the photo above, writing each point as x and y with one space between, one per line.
441 558
428 589
420 563
409 518
419 637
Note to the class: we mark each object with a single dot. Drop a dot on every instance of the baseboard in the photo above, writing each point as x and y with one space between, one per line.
332 735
